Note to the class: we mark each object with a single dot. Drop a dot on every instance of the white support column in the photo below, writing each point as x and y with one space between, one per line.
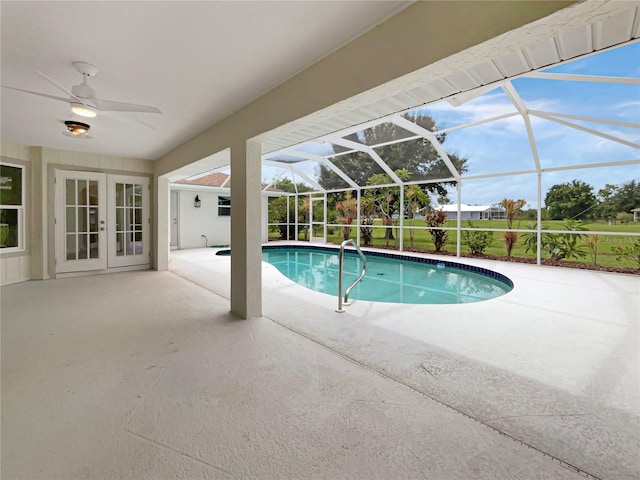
459 222
163 218
295 208
539 222
246 249
401 232
358 219
288 218
325 217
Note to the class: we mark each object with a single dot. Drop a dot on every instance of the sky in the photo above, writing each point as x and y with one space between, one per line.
503 145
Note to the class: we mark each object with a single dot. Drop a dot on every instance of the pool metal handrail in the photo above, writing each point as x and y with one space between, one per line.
340 264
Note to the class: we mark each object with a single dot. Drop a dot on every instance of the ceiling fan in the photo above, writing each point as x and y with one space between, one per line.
82 98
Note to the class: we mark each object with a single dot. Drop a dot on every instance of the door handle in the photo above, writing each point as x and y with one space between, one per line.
101 228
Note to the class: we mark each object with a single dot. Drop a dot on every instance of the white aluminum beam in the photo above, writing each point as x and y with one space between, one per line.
586 119
326 162
311 181
412 127
583 78
369 151
587 130
478 122
513 95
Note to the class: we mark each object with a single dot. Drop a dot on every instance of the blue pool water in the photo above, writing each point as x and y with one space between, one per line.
389 278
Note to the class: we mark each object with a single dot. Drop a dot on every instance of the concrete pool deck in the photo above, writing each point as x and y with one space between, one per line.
554 363
146 375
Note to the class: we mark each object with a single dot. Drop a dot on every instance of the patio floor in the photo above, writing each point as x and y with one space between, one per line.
146 375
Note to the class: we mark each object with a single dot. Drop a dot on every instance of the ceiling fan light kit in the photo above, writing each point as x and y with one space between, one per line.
83 101
76 128
83 110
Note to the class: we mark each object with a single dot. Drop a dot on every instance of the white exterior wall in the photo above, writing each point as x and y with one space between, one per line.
194 222
39 198
16 267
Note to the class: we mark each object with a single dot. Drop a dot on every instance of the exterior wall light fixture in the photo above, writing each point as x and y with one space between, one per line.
197 203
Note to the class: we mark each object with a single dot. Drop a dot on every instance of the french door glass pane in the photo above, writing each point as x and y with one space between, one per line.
119 194
129 219
93 192
94 252
119 244
82 246
71 220
71 246
82 192
93 219
71 192
82 219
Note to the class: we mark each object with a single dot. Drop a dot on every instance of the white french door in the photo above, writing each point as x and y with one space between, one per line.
128 210
81 237
102 221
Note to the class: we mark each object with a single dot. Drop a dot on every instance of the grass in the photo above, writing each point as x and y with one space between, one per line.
422 239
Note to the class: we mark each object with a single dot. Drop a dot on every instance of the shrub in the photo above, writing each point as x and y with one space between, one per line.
628 252
477 241
439 236
559 245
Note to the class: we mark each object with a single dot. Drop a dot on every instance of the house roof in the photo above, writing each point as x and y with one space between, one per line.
215 179
218 180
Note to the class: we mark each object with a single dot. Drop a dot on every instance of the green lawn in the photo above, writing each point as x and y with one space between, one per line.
422 239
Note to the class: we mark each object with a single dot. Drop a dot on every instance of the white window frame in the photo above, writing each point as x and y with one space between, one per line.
20 209
227 207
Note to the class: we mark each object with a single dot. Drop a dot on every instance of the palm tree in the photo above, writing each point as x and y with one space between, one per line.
511 209
416 199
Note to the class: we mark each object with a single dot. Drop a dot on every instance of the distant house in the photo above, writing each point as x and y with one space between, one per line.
636 214
472 212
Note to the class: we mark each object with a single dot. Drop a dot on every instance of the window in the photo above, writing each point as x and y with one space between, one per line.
224 206
11 207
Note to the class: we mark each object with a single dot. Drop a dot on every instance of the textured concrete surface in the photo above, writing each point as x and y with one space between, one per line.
554 363
145 375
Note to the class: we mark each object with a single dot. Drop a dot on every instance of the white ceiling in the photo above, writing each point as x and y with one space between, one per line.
196 61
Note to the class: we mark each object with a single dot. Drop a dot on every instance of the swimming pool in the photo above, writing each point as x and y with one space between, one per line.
390 277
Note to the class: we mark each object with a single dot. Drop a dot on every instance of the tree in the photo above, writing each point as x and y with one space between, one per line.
416 156
617 199
287 185
415 200
511 209
347 209
386 199
572 200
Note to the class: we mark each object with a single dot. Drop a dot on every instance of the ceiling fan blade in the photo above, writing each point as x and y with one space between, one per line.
51 80
113 106
127 119
62 99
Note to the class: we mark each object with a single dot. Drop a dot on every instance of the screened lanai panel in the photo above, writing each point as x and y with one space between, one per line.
418 157
609 101
317 148
491 191
613 63
496 147
559 145
328 178
445 115
358 166
271 173
596 195
382 133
